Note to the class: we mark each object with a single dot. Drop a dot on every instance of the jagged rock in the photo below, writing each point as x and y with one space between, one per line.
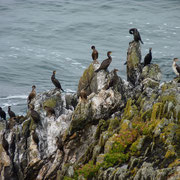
99 106
92 81
133 63
151 71
120 131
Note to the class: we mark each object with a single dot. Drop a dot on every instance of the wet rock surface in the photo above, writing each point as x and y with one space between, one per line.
123 130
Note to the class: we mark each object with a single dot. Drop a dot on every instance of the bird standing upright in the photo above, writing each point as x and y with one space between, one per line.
175 67
105 64
148 57
32 95
55 81
11 113
2 114
94 53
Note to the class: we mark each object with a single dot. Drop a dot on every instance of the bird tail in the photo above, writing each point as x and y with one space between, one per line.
141 41
62 89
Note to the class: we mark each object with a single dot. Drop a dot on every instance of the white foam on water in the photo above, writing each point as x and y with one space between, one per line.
15 97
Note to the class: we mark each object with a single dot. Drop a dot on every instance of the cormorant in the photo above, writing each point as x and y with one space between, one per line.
5 144
2 114
105 64
34 114
136 34
94 53
50 111
35 137
148 57
83 95
175 67
32 95
55 81
11 113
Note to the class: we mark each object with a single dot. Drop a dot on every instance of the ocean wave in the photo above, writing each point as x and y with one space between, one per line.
15 97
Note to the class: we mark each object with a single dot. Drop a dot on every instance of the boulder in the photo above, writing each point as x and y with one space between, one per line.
134 63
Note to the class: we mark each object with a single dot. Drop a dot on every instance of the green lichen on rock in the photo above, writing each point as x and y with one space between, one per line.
133 62
51 102
85 81
81 117
25 126
156 111
151 71
114 124
130 110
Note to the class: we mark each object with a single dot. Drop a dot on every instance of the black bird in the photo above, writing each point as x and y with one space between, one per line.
175 67
136 34
55 81
105 64
34 114
35 137
32 94
11 113
148 57
50 111
94 53
5 144
2 114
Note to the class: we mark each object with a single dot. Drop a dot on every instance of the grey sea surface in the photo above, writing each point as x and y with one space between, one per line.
39 36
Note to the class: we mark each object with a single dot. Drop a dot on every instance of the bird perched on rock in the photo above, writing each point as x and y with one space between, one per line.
35 137
50 111
105 64
11 113
175 67
55 81
83 95
136 34
148 57
94 53
34 114
32 94
2 114
5 144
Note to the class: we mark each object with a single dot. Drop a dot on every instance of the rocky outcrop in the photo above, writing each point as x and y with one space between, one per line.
121 131
134 63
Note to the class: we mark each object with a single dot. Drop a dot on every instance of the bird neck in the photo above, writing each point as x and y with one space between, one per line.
109 56
53 76
174 63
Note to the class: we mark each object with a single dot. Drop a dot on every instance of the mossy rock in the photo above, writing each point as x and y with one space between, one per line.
102 126
167 86
25 126
151 71
81 117
114 124
32 125
85 81
133 62
156 111
130 110
51 102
